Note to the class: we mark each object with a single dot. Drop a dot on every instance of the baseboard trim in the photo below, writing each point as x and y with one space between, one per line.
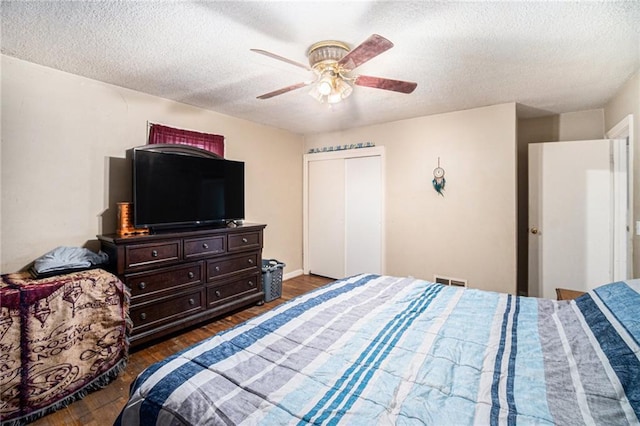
292 274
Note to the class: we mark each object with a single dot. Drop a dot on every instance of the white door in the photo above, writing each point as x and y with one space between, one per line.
571 216
363 216
326 218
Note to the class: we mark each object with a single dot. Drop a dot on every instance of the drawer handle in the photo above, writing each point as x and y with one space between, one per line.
142 285
244 240
191 274
154 253
252 284
217 269
205 245
143 316
250 261
218 293
192 302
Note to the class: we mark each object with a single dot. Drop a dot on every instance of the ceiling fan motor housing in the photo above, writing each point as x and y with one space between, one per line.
326 53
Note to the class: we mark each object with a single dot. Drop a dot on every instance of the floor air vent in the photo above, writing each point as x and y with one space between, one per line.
456 282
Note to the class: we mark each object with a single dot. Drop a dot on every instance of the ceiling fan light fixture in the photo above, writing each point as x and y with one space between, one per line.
343 88
334 98
325 85
315 94
331 87
332 92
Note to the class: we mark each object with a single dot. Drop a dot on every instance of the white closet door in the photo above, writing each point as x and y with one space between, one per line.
326 218
343 212
363 215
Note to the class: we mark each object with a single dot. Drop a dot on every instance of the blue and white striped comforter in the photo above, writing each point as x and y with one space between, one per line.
383 350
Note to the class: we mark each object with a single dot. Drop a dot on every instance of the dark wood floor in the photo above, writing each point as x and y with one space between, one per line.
103 406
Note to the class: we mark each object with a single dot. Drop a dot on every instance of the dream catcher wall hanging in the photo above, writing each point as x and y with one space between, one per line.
438 179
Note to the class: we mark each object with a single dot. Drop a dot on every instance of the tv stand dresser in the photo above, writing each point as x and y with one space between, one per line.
181 278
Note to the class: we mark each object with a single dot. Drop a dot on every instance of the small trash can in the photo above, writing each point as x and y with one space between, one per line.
272 279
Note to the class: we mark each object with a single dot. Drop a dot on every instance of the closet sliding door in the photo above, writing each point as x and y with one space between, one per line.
363 215
343 215
326 218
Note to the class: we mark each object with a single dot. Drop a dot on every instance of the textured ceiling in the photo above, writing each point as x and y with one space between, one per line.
551 57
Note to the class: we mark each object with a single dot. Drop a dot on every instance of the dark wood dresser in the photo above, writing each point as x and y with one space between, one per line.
179 279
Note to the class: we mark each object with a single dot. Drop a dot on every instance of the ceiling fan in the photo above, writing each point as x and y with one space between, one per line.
332 62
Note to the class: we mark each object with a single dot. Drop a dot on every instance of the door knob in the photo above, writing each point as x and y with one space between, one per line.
534 230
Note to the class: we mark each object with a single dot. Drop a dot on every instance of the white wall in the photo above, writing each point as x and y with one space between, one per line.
64 139
469 233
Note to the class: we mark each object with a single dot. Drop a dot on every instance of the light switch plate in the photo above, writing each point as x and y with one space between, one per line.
637 227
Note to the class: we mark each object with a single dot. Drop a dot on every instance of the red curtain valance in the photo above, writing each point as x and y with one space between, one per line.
164 134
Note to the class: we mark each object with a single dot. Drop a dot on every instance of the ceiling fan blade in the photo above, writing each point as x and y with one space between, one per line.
283 90
281 58
386 84
369 49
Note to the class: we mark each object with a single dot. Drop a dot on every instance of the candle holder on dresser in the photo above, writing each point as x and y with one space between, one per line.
125 221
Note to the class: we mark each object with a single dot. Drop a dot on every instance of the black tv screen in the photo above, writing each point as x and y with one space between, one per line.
178 190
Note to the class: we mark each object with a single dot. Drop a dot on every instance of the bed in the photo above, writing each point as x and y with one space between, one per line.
387 350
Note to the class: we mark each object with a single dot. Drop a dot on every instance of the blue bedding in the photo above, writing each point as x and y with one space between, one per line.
385 350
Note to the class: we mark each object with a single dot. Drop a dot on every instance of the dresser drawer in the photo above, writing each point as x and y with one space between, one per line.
143 255
221 268
220 294
244 241
173 278
198 247
167 309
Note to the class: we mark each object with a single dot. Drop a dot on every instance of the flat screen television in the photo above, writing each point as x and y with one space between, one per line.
188 188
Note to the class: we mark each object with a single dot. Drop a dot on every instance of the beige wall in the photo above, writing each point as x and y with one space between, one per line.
64 139
625 102
571 126
469 233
